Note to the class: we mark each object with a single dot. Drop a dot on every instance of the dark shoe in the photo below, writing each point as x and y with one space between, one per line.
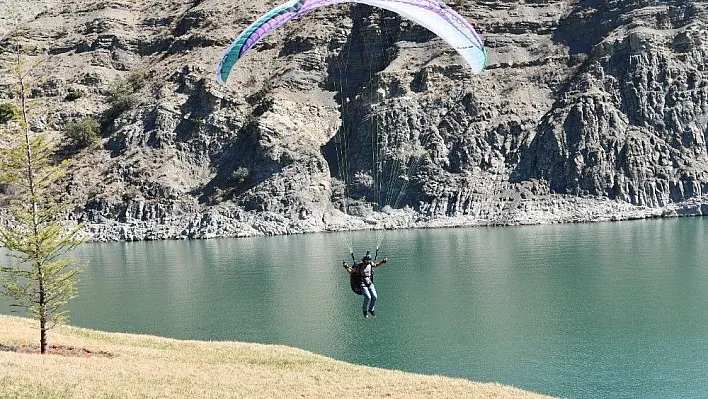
365 315
372 313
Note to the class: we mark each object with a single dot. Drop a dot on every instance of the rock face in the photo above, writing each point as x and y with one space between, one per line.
355 118
631 123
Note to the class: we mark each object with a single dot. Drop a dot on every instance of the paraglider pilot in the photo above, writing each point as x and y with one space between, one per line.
365 271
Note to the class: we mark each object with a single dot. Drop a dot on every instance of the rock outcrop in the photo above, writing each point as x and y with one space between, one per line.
354 118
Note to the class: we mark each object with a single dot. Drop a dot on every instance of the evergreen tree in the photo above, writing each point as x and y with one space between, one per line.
42 278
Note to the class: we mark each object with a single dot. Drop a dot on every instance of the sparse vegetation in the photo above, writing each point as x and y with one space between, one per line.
122 96
197 121
82 133
73 94
241 175
8 111
251 81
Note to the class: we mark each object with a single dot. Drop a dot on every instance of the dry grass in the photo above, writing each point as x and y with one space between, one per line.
153 367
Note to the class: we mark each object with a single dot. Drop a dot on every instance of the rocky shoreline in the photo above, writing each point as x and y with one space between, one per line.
223 222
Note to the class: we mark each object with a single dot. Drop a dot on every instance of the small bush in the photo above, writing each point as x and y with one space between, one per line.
197 121
122 97
136 80
251 82
7 112
119 104
82 133
126 87
241 175
73 94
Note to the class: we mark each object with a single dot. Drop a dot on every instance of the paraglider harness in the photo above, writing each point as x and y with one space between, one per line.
356 278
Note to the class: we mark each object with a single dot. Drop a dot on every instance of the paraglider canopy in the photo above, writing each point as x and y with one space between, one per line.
431 14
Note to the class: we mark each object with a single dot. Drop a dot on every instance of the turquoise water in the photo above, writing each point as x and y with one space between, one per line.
611 310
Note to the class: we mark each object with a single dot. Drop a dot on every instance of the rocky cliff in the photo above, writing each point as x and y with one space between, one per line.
354 118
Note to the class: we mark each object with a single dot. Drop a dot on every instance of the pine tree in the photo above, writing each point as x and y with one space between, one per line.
42 278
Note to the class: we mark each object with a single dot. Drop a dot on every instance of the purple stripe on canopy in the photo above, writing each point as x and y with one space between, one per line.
260 32
446 13
432 14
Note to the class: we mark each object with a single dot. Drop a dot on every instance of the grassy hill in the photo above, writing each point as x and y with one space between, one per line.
138 366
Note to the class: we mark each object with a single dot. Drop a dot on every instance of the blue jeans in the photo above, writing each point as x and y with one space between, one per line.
369 294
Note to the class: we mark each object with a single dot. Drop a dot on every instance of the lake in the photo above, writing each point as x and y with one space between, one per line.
608 310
